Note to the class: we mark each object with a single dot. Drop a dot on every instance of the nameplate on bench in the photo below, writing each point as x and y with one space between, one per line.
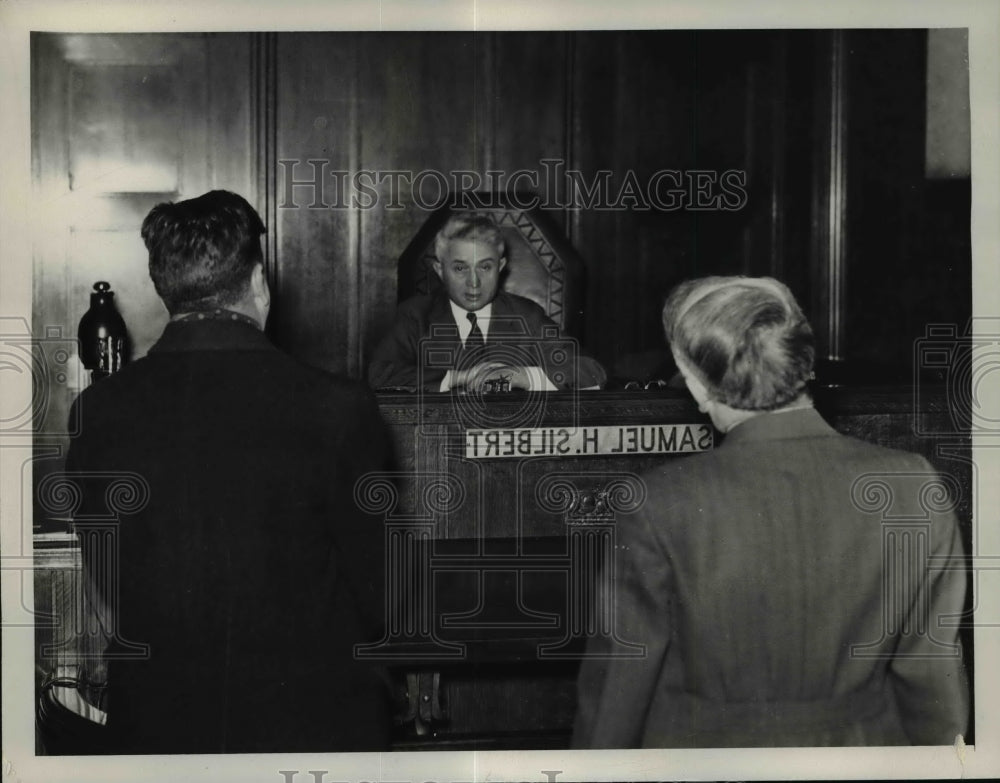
641 439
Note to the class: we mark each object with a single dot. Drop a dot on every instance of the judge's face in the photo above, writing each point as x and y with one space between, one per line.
470 272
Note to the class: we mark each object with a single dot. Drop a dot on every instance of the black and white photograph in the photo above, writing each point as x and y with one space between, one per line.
546 391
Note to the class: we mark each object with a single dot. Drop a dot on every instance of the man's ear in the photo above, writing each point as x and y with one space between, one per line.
502 264
259 288
436 265
260 293
258 280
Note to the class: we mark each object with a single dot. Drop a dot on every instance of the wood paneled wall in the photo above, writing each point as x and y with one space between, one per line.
615 107
620 106
249 112
122 123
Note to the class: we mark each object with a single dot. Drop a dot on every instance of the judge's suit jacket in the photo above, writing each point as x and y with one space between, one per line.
779 609
423 345
248 571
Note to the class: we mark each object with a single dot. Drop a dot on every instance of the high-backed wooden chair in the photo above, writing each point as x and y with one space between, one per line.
541 263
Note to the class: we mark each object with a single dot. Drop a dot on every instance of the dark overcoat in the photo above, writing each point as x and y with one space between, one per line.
249 571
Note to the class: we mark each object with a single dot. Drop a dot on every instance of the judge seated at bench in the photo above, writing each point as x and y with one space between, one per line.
471 335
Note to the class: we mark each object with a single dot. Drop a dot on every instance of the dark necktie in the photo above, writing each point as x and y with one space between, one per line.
475 338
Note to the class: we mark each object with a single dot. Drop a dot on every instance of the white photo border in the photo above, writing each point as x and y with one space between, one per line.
19 17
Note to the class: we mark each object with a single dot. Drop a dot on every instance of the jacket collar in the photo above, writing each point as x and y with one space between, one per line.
211 335
804 423
440 310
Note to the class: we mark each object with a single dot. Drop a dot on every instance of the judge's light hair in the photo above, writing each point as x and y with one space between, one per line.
469 226
745 338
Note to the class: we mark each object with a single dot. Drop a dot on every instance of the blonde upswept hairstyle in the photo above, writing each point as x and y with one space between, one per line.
745 338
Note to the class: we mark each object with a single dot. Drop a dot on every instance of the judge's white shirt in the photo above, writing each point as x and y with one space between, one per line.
537 379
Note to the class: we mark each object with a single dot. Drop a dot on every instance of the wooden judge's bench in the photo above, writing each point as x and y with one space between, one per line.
500 531
500 519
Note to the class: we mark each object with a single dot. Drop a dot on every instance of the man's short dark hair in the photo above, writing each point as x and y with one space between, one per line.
202 251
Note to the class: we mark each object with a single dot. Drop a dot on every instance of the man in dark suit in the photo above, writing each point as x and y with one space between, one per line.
250 573
791 587
471 333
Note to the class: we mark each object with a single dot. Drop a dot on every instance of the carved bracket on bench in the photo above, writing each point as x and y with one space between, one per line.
422 704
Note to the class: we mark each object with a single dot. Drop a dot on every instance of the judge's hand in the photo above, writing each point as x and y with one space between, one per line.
516 376
474 378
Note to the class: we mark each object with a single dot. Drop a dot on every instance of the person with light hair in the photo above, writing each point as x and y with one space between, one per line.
774 605
486 333
746 339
